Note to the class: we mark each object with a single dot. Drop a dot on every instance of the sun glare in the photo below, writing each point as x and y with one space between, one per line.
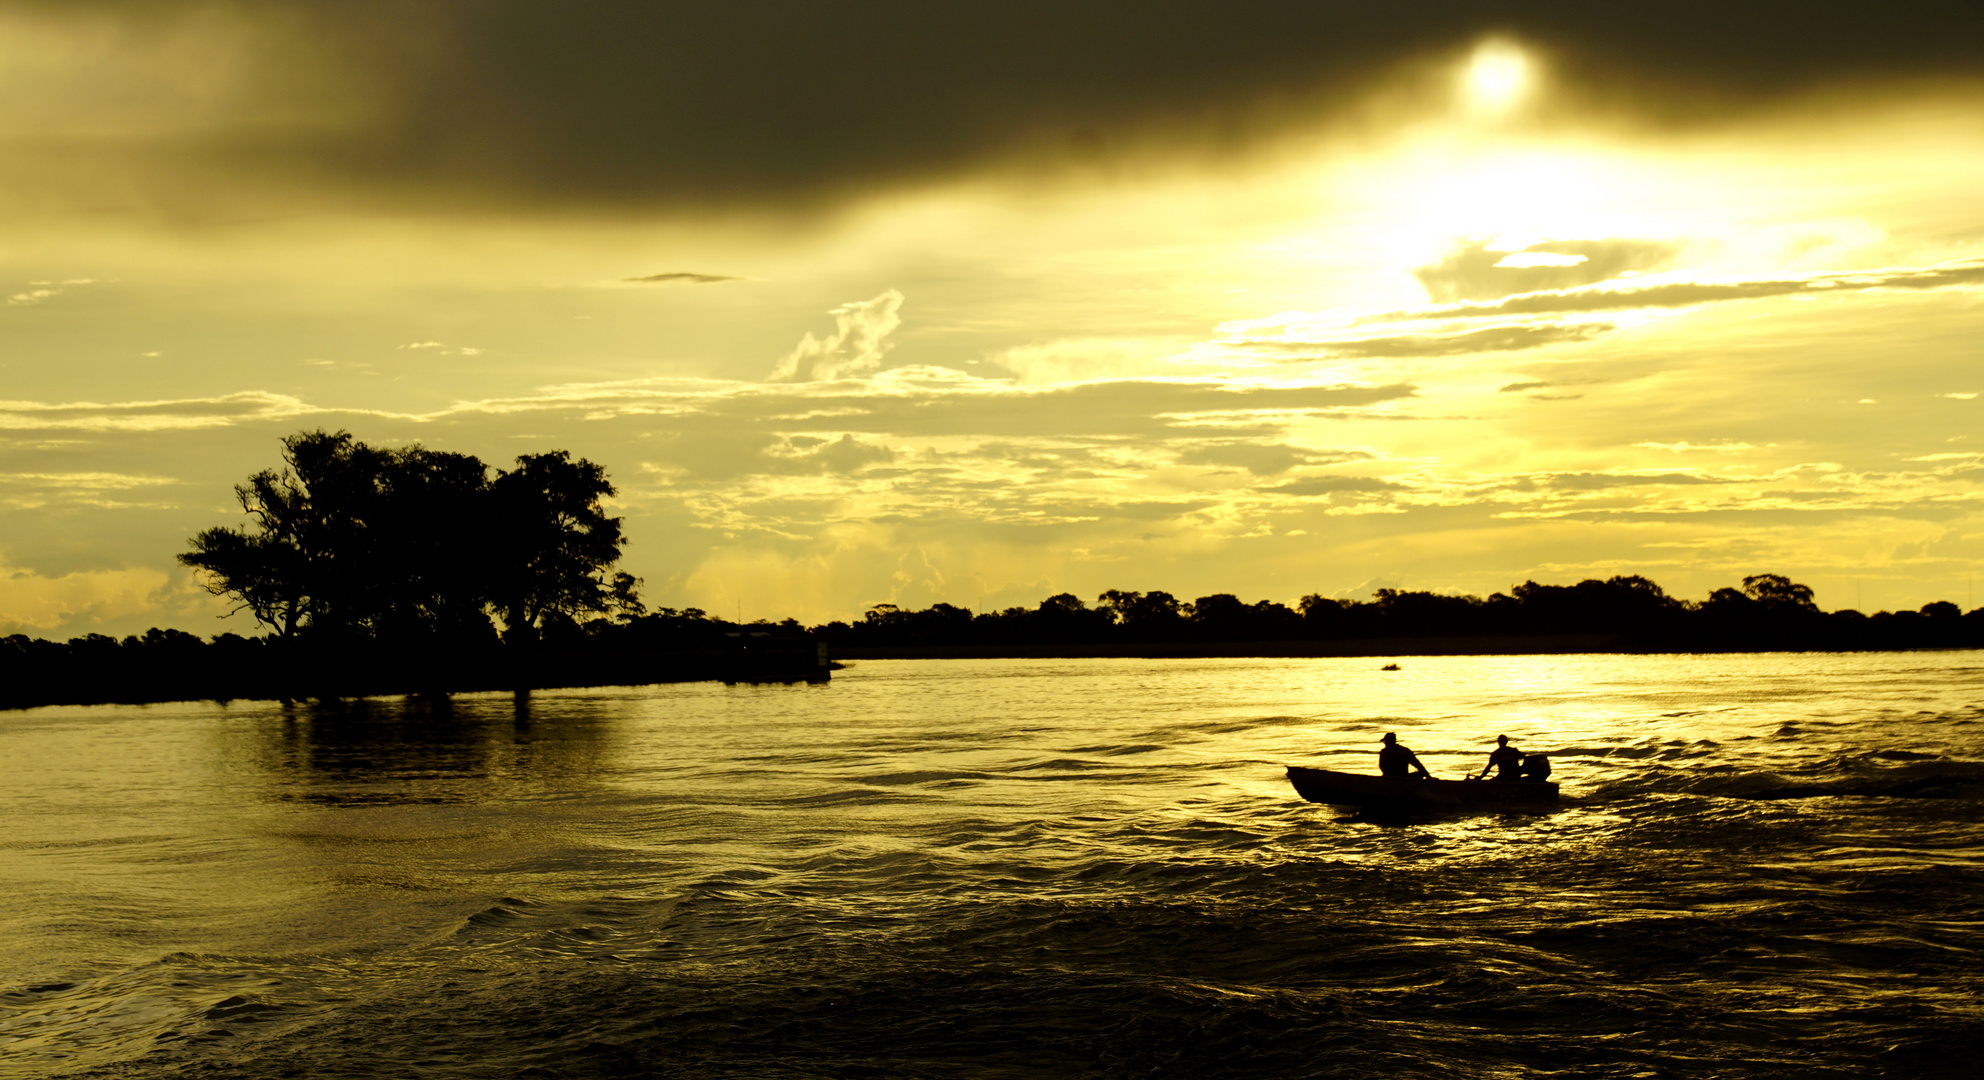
1435 192
1497 76
1515 191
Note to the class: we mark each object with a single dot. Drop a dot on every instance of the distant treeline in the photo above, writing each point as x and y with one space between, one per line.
1768 612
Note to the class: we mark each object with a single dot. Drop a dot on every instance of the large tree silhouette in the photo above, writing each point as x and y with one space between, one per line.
414 546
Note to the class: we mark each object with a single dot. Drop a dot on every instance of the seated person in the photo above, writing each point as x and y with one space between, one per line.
1397 762
1506 760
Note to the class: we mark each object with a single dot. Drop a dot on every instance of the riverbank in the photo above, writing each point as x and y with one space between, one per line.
167 668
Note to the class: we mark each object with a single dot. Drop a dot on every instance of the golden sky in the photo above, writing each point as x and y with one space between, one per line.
882 302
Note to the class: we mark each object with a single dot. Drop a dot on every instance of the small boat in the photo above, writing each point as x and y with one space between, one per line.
1385 793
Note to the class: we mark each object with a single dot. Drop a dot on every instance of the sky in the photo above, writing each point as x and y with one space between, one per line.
908 303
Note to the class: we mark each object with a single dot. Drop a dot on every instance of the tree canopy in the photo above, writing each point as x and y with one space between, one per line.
410 546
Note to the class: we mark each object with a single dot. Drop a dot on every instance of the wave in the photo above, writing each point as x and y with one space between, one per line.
1859 776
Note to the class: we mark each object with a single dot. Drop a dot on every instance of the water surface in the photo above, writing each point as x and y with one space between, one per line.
1010 869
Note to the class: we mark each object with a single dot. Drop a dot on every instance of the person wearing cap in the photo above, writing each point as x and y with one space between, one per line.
1396 761
1506 760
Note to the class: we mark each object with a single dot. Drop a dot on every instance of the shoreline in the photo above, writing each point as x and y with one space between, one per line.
655 669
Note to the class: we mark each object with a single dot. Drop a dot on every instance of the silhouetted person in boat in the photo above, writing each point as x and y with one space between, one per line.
1397 761
1506 760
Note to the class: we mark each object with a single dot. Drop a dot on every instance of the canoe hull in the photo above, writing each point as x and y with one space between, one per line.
1386 793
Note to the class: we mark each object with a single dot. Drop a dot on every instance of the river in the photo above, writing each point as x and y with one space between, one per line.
1771 865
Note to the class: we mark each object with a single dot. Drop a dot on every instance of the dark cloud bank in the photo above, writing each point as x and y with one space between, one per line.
584 101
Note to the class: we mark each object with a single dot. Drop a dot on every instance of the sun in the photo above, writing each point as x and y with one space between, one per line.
1496 77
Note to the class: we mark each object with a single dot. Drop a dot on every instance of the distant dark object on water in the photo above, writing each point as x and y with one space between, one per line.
1389 667
1387 794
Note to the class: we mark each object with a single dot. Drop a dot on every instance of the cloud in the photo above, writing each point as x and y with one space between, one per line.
906 402
1119 408
43 290
1086 358
1502 338
1259 459
1718 447
845 455
1266 459
681 277
31 602
1519 387
26 490
1966 273
859 340
1330 485
1590 481
442 348
848 454
1487 270
151 415
598 101
86 481
1536 319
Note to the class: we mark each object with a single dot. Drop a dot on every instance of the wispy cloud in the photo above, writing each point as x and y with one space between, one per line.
1684 447
1455 342
681 277
443 348
91 481
103 490
1332 485
162 415
43 290
902 402
1534 320
1967 273
1602 481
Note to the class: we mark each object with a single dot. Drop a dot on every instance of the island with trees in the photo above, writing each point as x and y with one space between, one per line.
409 570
